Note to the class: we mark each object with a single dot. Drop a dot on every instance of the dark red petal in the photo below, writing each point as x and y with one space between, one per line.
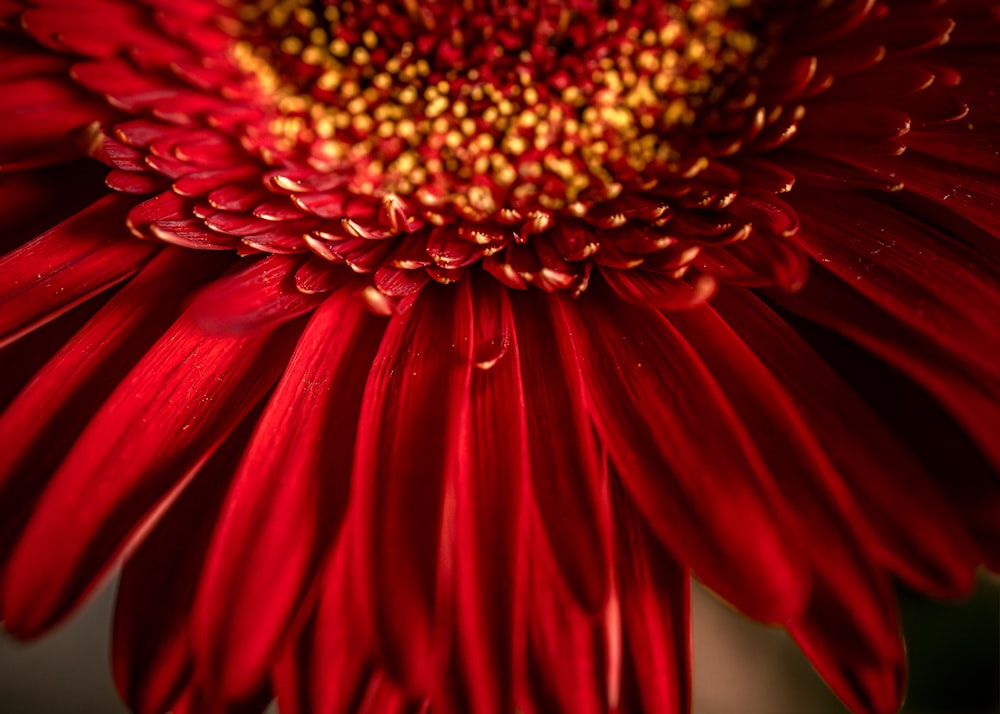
955 379
151 651
138 183
561 660
761 260
969 395
831 128
930 282
175 407
327 669
287 499
77 259
892 489
973 194
825 172
414 411
663 292
793 454
683 456
383 696
850 632
655 603
861 655
194 701
96 29
20 58
26 198
38 114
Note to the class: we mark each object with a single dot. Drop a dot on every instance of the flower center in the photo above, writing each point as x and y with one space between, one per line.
493 106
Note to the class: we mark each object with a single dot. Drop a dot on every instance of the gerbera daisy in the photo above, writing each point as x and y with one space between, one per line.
415 354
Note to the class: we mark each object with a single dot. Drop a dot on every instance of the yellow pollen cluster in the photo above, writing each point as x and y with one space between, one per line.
484 115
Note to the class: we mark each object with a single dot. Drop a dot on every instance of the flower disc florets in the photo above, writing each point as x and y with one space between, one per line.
462 129
409 142
539 106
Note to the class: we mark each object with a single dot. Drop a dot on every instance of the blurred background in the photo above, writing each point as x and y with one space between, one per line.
739 667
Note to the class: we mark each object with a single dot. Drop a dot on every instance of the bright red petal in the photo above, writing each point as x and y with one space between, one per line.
488 499
287 499
415 407
182 399
57 404
79 258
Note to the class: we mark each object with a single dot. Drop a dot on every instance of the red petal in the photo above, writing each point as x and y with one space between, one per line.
287 499
972 194
567 483
972 396
329 667
850 632
655 603
96 29
21 58
793 454
933 554
26 198
683 456
194 701
187 394
562 667
923 278
865 641
74 261
151 646
38 112
663 292
489 491
51 411
415 405
825 172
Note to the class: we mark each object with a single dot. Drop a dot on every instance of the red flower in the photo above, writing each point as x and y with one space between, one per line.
450 338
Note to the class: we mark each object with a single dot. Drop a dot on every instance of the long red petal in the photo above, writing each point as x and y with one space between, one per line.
26 198
861 656
971 397
488 496
892 489
683 456
55 406
79 258
852 636
287 499
151 647
655 604
409 437
932 283
327 669
956 379
37 115
566 483
189 392
561 660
